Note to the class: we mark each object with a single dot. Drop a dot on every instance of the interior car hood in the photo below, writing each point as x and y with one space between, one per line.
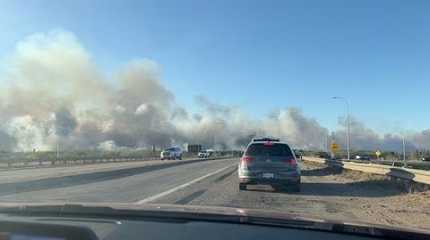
209 213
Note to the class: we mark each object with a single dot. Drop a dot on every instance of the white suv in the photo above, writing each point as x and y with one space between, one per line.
206 153
171 153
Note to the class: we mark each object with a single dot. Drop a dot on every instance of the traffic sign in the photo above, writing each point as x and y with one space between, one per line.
378 153
334 147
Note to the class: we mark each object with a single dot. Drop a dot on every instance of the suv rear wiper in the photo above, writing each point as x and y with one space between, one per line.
194 213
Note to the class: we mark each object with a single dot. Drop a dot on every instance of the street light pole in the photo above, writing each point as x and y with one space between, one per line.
348 123
404 150
58 151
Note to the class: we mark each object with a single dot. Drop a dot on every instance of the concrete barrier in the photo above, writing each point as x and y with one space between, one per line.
406 174
13 164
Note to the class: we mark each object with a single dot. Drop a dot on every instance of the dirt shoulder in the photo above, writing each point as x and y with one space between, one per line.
393 206
326 193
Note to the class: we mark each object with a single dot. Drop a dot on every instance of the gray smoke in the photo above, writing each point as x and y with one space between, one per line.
364 138
301 131
7 142
65 122
53 93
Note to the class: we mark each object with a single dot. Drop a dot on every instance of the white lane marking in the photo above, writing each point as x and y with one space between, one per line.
162 194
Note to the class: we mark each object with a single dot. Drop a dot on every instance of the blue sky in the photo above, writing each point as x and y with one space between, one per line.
258 55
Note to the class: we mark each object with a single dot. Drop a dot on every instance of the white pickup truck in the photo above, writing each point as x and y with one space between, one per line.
171 153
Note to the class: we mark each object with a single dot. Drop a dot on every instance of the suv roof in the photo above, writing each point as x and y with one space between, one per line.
268 139
265 139
276 149
172 149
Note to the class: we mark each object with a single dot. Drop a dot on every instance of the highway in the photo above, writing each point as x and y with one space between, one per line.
326 192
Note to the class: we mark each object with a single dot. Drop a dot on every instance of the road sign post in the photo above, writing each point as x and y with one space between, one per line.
334 147
378 154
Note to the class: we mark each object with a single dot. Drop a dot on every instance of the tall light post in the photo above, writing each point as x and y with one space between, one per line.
404 150
58 151
348 123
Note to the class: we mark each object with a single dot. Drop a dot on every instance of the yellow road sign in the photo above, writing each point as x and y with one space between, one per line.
378 153
334 147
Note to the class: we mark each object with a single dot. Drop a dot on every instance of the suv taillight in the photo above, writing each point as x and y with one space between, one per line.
291 161
246 159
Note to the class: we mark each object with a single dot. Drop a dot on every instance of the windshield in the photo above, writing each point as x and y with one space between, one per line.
269 150
159 101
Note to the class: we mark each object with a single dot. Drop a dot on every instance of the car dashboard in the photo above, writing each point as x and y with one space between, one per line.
17 227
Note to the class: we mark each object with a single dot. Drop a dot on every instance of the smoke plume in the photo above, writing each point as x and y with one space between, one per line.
53 93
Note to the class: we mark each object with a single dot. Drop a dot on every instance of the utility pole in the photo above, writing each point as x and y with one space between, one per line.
327 143
404 150
58 151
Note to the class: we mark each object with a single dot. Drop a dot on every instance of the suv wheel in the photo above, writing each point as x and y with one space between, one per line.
242 186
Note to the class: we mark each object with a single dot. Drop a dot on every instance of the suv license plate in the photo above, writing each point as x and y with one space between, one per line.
268 175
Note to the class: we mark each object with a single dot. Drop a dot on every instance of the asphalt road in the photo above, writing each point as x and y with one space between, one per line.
326 192
29 174
121 185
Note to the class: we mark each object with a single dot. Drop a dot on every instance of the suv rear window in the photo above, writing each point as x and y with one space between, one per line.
272 150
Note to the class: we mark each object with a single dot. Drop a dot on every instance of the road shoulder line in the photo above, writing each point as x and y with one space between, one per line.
162 194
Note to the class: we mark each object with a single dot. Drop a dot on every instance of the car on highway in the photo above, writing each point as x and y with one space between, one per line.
205 153
325 155
362 157
271 162
171 153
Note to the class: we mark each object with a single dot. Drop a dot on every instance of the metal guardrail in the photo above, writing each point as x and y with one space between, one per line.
419 176
415 164
13 164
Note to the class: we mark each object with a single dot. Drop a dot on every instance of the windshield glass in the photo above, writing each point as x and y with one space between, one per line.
269 150
173 102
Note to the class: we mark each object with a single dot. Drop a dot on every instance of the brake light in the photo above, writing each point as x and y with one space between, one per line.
246 159
268 143
291 161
